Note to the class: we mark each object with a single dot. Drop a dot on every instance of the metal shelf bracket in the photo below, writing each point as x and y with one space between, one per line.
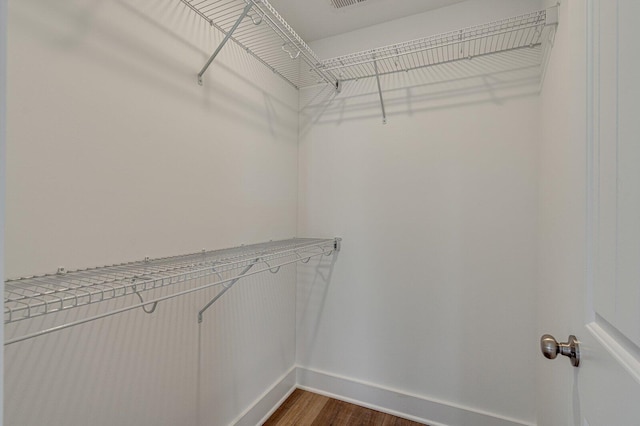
384 113
224 41
226 287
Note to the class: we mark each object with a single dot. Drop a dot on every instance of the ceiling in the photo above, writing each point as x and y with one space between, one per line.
318 19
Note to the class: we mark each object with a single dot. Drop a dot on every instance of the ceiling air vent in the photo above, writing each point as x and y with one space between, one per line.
339 4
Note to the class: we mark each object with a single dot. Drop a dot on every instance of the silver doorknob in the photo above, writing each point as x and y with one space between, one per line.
551 348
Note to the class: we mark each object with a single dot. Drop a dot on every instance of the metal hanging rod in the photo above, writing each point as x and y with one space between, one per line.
32 297
260 30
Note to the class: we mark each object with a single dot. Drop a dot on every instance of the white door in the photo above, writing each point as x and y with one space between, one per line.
609 385
605 308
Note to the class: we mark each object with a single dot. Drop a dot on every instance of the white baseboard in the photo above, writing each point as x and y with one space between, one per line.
398 403
269 402
391 401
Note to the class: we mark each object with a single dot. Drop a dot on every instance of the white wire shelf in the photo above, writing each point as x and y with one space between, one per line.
32 297
262 32
266 36
527 31
523 31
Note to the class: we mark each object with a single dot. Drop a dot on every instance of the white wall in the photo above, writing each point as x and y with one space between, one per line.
432 298
114 153
111 141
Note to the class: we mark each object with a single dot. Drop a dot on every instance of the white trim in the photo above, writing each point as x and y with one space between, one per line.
369 406
387 400
398 403
593 149
606 336
268 402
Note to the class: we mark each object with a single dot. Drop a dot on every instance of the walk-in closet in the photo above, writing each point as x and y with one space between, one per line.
320 212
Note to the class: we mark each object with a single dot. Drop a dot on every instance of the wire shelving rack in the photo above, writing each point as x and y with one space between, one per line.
258 28
31 297
524 31
527 31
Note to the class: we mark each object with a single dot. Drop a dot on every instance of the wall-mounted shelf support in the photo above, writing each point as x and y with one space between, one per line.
226 286
224 41
384 113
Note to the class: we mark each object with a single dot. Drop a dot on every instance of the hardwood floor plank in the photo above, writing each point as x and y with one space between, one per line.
383 419
335 413
301 412
285 407
304 408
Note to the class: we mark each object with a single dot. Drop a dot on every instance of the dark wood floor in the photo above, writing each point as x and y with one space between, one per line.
304 408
